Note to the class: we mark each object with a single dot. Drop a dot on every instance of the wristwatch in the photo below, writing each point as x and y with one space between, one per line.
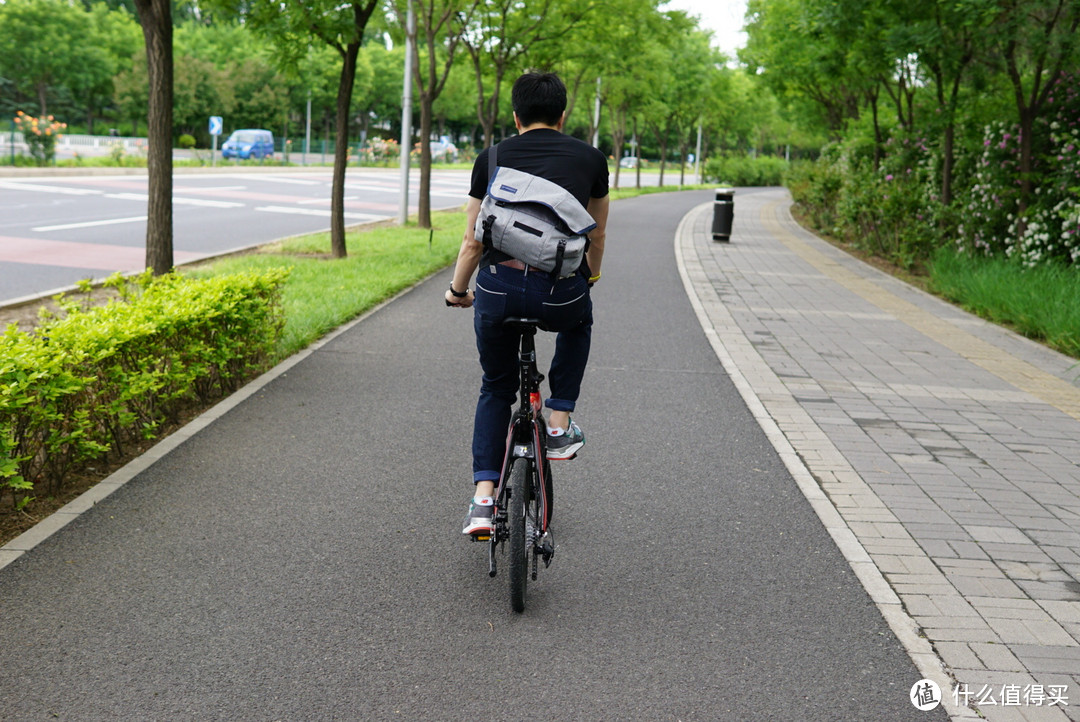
458 294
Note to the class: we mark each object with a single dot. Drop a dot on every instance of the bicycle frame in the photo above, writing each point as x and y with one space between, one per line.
526 442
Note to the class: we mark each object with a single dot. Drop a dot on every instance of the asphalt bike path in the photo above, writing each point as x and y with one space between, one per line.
299 557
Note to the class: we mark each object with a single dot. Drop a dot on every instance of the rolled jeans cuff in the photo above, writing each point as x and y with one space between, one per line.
560 405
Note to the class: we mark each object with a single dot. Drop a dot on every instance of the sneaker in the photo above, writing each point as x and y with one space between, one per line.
565 446
478 521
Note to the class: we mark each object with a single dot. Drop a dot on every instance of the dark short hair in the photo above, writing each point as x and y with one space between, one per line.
539 98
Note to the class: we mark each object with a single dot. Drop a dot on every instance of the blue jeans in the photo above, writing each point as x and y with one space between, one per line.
566 308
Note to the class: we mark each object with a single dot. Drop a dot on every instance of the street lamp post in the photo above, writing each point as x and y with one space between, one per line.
697 156
596 117
307 129
406 114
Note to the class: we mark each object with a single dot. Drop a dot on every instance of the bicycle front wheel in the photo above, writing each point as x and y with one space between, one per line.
520 543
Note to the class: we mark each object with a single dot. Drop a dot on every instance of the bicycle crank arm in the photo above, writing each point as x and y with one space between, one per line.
491 559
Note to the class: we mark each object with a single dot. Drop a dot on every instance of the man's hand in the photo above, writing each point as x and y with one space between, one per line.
465 301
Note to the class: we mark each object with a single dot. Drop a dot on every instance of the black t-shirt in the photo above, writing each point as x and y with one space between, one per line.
575 165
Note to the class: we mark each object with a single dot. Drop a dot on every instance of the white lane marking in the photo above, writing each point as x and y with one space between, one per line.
314 212
325 200
16 186
388 188
201 189
293 181
177 200
89 224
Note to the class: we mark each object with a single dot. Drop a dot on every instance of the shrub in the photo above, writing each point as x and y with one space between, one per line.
888 211
379 151
815 186
743 170
40 135
90 380
186 141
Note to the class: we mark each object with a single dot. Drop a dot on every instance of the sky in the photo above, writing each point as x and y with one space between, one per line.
723 17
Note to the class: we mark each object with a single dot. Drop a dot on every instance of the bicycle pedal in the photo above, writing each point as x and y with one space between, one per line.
546 547
480 537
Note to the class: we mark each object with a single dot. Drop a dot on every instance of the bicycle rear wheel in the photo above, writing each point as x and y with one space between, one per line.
520 541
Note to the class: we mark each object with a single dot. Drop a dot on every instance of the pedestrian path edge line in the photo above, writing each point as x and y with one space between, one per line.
66 514
722 331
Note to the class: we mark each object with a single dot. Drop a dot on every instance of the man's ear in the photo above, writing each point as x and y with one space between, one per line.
517 121
562 119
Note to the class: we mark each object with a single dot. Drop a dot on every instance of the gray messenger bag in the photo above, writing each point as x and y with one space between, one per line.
531 219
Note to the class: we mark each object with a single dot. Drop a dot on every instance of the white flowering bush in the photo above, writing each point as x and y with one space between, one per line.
1049 228
892 206
990 203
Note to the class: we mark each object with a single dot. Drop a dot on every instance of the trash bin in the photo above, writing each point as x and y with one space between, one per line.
723 214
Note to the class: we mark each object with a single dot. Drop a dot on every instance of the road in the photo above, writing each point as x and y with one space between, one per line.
300 557
58 230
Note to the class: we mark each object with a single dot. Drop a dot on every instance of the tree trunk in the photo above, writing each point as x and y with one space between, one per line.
872 99
662 142
423 205
618 136
1027 161
684 144
487 120
155 16
947 159
341 150
637 154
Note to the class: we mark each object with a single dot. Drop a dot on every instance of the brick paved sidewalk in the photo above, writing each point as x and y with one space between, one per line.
940 451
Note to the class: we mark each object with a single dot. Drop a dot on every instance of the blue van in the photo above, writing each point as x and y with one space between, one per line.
249 143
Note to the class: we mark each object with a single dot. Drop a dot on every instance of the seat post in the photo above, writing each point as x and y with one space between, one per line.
530 378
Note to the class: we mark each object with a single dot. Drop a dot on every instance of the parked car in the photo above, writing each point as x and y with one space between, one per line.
444 150
249 143
628 162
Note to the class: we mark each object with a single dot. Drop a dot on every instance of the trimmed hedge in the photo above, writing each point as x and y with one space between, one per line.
88 381
743 170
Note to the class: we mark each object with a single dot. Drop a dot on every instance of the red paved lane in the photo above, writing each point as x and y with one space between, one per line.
95 256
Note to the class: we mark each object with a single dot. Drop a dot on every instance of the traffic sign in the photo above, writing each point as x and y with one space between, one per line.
215 125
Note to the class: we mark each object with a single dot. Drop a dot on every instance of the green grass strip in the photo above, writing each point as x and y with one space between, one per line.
322 293
1042 303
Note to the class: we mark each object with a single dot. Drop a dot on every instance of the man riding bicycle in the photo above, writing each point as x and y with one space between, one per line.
507 287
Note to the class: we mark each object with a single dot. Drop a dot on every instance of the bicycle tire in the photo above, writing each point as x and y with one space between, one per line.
520 497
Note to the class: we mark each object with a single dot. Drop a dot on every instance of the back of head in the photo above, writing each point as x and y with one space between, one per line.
539 98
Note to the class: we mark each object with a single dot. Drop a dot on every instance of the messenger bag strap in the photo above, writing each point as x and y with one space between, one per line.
557 271
490 220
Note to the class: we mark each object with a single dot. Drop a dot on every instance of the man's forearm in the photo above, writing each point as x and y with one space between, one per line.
598 209
471 249
467 260
595 255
